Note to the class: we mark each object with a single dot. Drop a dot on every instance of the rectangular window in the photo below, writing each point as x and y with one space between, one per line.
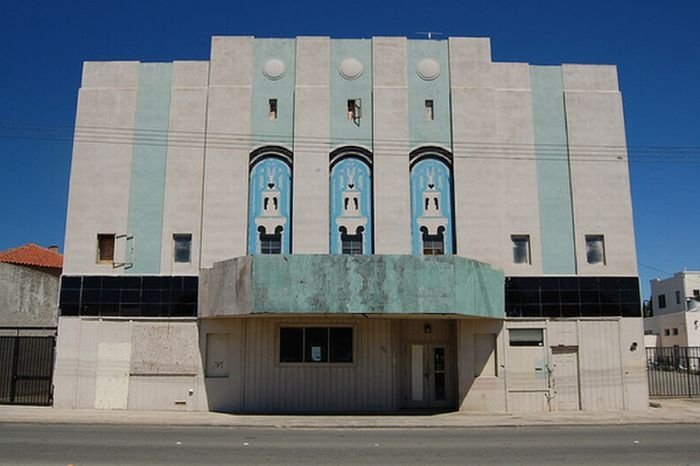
675 330
351 244
667 332
182 252
662 301
429 110
526 337
270 244
696 294
272 109
128 296
316 344
105 248
433 245
595 249
678 297
521 249
355 110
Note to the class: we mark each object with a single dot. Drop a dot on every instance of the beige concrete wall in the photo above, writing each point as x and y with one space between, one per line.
479 391
599 167
612 370
392 191
98 197
182 209
28 297
310 196
225 212
126 364
517 179
494 182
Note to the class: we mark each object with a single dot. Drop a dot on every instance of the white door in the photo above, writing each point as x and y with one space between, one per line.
430 376
565 380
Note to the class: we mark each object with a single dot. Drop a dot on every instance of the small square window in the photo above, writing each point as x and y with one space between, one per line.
675 330
271 244
429 110
662 301
272 109
351 244
182 248
696 294
433 245
667 332
105 248
521 249
595 249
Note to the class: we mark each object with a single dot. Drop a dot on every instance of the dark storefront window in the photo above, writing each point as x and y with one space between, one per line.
316 344
573 297
129 296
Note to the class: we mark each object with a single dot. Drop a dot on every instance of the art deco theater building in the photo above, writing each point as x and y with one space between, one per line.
327 225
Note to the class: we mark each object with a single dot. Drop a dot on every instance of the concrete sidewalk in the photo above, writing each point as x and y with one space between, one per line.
672 411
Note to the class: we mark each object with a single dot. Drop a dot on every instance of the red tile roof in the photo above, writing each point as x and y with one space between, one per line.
33 255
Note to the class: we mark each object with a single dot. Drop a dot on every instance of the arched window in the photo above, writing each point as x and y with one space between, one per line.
351 201
431 201
269 201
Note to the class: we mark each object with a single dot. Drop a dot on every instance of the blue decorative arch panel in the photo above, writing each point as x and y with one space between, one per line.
269 203
351 203
431 203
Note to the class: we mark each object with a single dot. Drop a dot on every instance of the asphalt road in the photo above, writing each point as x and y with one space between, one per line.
81 445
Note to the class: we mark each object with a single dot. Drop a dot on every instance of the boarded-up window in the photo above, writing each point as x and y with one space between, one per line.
485 355
217 355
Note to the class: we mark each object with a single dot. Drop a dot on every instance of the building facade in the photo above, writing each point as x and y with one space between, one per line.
676 311
316 224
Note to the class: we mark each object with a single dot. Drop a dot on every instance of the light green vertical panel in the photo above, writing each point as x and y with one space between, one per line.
147 191
268 131
348 53
553 178
423 54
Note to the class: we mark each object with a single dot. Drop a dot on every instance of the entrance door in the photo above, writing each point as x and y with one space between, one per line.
430 375
565 381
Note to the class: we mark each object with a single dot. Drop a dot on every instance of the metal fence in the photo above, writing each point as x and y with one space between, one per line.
26 365
674 371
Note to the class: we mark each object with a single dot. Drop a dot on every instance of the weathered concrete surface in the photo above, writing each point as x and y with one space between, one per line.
352 284
27 297
672 411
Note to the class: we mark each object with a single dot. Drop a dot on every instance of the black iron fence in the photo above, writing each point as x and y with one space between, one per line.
674 371
26 365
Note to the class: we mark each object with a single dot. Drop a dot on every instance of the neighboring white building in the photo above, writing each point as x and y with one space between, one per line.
676 311
318 224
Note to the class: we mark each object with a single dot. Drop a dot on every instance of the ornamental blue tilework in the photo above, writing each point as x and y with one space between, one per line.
351 203
431 203
269 203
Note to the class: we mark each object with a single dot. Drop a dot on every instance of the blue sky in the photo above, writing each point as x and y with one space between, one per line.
655 45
